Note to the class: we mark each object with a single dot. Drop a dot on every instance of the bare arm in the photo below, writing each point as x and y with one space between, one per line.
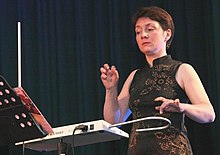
115 106
201 109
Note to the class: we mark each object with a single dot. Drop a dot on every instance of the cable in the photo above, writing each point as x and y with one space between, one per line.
83 128
23 148
62 147
73 141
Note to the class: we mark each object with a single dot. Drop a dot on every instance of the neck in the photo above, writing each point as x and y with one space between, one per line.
151 58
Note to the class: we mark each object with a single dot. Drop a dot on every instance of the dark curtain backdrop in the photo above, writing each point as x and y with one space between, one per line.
64 43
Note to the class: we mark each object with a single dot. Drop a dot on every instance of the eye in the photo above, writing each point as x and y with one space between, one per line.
150 29
138 32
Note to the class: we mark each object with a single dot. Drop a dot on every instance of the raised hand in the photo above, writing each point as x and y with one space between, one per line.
109 76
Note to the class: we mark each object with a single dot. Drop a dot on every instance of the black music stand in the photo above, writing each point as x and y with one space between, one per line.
17 122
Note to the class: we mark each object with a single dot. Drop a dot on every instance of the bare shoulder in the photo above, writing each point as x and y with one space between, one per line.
186 70
129 79
125 89
133 72
186 67
131 76
186 75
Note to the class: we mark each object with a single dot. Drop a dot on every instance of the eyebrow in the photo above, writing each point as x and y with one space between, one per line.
149 24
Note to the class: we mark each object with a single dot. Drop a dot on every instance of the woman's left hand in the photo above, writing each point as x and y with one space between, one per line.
168 105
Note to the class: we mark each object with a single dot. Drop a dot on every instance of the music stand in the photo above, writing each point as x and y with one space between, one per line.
20 120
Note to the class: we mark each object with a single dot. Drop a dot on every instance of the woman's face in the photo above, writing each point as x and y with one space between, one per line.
150 36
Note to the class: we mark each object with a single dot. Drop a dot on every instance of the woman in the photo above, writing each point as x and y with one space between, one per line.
163 87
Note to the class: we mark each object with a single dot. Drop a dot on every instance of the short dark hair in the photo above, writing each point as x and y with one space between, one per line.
157 14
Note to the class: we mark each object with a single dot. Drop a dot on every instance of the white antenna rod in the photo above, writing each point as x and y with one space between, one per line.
19 54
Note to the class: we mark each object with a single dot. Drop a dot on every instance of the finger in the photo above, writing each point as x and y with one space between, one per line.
109 72
165 105
176 101
157 107
159 99
103 70
114 70
117 74
162 107
103 77
113 67
106 66
178 105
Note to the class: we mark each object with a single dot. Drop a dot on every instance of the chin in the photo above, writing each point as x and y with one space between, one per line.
147 52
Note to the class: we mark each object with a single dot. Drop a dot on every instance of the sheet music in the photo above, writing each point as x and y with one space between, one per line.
33 110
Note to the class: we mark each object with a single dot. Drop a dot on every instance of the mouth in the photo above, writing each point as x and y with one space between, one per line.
145 43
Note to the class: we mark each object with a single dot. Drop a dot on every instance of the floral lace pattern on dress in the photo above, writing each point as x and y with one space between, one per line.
149 83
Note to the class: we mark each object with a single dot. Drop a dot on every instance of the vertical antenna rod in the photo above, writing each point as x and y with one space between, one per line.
19 54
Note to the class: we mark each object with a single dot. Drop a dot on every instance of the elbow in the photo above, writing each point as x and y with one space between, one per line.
109 121
203 114
210 117
112 118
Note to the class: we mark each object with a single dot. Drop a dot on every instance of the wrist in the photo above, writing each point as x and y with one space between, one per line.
183 107
111 89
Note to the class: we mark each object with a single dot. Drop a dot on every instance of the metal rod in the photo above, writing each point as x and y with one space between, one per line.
146 118
19 54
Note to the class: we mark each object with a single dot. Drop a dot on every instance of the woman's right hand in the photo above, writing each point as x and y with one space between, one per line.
109 76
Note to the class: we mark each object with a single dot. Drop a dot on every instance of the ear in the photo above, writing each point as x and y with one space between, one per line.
168 34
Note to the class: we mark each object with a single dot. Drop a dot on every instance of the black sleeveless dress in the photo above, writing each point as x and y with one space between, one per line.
149 83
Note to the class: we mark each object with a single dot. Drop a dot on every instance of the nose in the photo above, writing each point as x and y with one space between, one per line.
144 35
